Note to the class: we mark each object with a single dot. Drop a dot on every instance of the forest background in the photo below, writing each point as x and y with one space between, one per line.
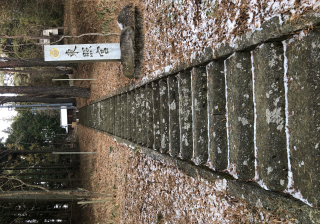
27 164
20 30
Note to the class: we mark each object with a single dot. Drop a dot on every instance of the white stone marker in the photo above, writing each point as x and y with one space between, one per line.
82 52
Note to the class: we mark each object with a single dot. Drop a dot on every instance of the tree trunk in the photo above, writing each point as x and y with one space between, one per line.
36 168
31 62
39 212
55 90
49 165
15 99
34 72
63 222
48 180
26 37
41 173
43 196
24 152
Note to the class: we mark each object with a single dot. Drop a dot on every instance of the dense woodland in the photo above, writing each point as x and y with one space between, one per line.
22 62
36 186
22 25
23 21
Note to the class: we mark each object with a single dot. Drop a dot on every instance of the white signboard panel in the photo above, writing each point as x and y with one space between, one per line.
82 52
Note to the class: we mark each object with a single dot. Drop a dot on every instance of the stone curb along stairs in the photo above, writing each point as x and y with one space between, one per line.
251 110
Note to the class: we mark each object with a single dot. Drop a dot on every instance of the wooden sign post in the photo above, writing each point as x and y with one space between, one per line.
83 53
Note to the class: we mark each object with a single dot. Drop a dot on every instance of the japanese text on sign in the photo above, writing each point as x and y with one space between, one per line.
87 51
73 52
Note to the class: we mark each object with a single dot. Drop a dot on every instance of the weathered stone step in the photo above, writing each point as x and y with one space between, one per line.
218 145
143 116
164 116
138 116
272 160
174 128
185 112
149 116
123 115
92 115
303 113
199 115
118 115
240 114
156 114
128 116
104 113
112 114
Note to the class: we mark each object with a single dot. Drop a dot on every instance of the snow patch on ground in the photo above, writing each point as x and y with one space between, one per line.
155 188
181 29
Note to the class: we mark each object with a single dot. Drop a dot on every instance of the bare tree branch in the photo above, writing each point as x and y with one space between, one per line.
82 35
23 183
26 37
88 34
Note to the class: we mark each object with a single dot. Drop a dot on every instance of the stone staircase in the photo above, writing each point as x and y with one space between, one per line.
254 114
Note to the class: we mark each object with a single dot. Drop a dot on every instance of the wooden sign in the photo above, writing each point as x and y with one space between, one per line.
82 52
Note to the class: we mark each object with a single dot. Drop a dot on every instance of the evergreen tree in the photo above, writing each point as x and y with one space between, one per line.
27 18
29 128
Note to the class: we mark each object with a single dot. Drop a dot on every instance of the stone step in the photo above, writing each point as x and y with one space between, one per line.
304 113
112 115
164 116
138 116
133 115
240 114
98 113
272 158
218 145
199 115
88 117
156 115
116 123
143 116
118 115
185 113
109 115
174 128
104 109
123 115
149 116
128 116
91 115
